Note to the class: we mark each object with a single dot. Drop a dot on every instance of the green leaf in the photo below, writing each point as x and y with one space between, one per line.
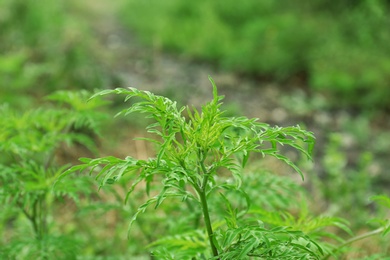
248 247
215 91
382 199
140 210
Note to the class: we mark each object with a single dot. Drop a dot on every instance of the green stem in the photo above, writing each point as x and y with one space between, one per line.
354 239
205 208
206 215
31 217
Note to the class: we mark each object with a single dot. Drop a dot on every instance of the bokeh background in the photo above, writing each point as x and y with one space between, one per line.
323 65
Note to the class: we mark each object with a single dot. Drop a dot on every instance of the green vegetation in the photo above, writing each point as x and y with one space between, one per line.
185 178
199 164
197 170
30 144
44 47
340 49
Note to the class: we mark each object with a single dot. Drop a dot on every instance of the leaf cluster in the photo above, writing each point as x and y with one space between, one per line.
206 136
30 163
199 152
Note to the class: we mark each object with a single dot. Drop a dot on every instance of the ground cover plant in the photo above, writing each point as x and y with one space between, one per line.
198 170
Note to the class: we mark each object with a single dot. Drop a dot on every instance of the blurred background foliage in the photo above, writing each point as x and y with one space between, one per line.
329 64
339 48
45 46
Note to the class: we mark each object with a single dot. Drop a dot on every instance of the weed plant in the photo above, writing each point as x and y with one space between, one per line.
30 162
213 212
251 214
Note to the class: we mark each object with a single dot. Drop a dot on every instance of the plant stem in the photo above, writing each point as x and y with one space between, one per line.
354 239
206 215
201 189
31 217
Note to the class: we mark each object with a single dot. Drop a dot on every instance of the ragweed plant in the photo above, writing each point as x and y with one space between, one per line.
29 165
200 156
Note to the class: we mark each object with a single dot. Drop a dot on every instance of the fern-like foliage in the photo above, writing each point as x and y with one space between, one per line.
183 142
29 165
276 243
193 244
194 150
384 201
